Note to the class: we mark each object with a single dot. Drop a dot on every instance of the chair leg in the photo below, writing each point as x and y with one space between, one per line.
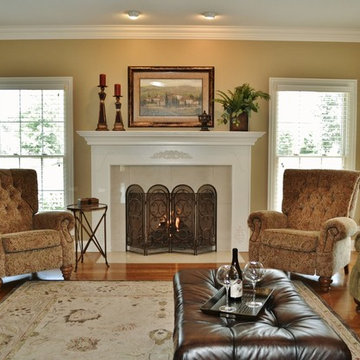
66 271
346 269
1 282
325 282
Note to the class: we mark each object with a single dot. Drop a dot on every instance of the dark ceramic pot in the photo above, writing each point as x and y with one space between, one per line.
241 124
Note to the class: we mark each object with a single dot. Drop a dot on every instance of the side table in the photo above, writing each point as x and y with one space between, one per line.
82 225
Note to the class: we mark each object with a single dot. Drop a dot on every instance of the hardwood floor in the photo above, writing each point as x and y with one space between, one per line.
338 298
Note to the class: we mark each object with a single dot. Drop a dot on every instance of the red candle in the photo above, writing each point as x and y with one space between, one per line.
117 89
102 80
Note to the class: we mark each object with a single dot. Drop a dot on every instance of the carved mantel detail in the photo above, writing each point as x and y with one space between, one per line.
171 154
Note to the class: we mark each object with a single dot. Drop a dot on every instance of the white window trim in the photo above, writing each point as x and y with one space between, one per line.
49 83
308 84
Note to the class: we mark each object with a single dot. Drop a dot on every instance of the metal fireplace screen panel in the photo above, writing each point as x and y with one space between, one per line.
157 216
135 219
160 221
206 216
182 218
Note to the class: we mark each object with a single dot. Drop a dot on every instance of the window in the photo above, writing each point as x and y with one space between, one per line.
312 125
36 132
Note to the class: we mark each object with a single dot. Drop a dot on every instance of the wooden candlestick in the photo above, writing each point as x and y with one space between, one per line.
118 125
102 125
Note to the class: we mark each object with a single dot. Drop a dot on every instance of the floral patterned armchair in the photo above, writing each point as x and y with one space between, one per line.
31 241
312 233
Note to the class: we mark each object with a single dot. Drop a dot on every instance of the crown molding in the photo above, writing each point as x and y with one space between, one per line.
41 32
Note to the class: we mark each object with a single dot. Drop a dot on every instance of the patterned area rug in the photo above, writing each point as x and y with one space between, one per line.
127 320
88 320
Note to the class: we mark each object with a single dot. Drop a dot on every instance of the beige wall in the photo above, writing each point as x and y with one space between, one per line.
235 62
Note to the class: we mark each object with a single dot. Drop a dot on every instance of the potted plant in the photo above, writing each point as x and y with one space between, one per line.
239 104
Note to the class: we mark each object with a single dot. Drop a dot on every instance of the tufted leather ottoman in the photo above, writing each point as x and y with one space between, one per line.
286 329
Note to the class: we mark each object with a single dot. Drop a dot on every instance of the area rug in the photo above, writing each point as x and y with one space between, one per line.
127 320
88 320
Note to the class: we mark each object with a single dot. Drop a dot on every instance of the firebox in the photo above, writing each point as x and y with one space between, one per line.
176 221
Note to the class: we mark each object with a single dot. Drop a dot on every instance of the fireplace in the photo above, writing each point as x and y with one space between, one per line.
177 221
168 151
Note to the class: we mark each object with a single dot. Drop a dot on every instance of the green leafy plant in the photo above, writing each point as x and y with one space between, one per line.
242 100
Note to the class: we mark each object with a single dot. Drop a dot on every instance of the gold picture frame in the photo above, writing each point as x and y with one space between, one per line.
170 96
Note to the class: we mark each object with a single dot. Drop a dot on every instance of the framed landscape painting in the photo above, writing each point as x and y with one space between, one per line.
167 96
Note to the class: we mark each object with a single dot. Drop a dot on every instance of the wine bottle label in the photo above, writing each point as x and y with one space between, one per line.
236 290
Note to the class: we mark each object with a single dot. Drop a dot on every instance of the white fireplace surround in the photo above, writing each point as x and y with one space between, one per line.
172 148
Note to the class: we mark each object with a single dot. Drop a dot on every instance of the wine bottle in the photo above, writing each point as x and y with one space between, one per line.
236 290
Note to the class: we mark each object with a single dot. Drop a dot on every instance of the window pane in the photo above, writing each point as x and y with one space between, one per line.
310 163
9 139
52 200
30 105
53 105
31 138
332 163
9 163
32 163
9 105
53 174
53 138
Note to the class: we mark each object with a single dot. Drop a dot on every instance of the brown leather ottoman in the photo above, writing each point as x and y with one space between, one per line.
286 329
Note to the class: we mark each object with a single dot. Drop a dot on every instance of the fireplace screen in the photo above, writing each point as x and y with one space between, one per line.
180 221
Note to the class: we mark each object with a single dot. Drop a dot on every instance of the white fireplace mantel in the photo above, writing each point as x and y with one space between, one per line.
200 138
171 148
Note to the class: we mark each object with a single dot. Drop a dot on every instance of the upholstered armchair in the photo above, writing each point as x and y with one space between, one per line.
31 241
355 275
312 234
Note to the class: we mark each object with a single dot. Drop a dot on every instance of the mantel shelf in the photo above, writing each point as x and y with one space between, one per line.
224 138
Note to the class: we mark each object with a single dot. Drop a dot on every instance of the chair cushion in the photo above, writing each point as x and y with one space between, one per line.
30 240
291 239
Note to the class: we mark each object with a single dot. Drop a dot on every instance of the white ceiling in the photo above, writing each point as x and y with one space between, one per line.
30 18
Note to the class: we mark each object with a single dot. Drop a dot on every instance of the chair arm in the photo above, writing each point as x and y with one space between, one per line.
265 219
56 220
64 222
335 229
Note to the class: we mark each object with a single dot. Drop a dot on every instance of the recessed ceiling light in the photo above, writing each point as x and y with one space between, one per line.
133 14
209 15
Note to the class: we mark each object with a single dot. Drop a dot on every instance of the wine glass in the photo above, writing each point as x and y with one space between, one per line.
253 272
227 275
